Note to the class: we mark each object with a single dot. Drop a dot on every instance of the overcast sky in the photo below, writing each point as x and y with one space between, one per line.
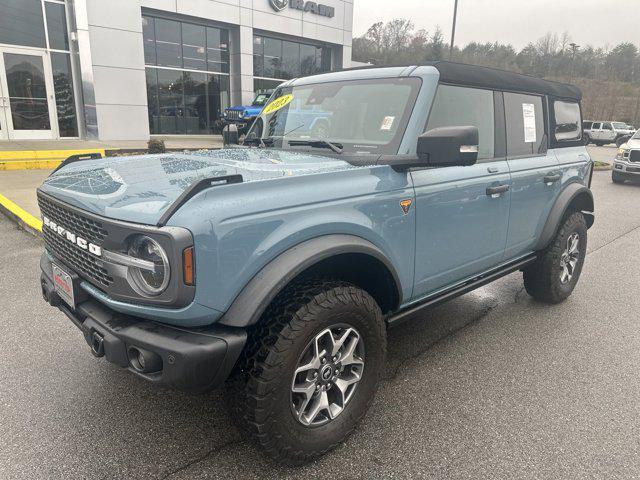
596 22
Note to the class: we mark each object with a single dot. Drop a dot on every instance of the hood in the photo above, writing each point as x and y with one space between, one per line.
632 143
140 189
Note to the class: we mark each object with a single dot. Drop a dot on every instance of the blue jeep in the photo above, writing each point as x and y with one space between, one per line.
243 116
276 266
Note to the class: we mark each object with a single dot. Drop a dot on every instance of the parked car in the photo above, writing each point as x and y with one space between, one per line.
626 165
602 133
243 116
278 265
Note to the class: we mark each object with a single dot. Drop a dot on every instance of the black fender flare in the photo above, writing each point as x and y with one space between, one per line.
259 292
571 193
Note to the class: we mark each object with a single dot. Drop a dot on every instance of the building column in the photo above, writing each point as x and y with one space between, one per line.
81 56
242 65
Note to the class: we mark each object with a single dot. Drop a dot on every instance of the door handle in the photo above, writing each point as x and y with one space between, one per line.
497 190
552 177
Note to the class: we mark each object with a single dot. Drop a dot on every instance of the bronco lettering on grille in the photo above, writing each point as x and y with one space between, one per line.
72 237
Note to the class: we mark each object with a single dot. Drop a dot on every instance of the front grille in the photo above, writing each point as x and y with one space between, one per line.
84 263
634 156
233 114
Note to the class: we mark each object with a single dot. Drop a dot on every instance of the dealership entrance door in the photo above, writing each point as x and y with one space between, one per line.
27 107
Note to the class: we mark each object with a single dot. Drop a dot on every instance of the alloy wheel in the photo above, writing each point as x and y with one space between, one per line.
569 258
327 375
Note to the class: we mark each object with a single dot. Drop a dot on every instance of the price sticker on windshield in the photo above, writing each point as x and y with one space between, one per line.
277 104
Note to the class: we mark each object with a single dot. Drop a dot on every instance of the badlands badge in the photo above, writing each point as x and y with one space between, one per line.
406 205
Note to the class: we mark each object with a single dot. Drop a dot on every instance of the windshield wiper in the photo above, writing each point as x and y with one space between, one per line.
262 142
319 143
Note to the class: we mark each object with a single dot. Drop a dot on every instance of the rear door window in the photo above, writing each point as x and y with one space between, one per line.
596 126
567 120
525 124
462 106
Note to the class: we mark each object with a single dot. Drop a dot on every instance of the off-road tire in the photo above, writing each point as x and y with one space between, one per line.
260 388
616 177
542 278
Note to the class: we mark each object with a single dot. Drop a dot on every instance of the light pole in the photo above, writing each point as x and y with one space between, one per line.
574 48
453 29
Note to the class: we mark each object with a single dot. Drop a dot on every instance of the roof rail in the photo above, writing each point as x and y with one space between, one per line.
194 189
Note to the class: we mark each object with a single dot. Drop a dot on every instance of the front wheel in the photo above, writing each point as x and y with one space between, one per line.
554 275
616 177
310 370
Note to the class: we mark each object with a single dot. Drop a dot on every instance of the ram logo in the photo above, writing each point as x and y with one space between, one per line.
279 5
72 237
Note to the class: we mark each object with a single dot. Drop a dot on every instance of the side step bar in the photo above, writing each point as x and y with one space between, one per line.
442 297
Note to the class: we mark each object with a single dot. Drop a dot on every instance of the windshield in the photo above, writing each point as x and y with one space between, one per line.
260 100
636 136
360 116
620 125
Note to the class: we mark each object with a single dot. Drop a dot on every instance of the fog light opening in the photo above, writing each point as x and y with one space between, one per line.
144 361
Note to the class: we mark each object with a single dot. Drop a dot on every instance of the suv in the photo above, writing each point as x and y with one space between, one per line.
278 265
626 165
243 116
602 133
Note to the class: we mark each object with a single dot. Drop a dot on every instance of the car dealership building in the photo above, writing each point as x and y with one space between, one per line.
128 69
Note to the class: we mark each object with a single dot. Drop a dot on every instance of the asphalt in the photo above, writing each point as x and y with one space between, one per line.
491 385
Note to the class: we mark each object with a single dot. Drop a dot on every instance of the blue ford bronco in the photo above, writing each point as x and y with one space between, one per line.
276 266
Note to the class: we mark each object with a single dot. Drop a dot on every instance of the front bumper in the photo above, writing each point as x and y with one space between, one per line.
195 360
631 169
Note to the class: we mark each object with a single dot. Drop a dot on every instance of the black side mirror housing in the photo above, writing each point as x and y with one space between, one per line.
449 147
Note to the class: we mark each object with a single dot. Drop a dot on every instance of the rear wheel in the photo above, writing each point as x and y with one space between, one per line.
310 370
554 275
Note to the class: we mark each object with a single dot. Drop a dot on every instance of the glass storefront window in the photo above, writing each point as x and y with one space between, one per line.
189 100
194 49
21 23
282 59
149 39
185 102
57 26
170 43
65 100
261 85
217 50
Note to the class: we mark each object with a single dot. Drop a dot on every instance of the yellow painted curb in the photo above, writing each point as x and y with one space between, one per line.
39 159
22 215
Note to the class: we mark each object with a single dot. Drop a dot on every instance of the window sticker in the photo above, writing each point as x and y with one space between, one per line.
277 104
529 117
387 123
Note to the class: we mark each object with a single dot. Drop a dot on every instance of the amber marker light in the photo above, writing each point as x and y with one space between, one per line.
188 266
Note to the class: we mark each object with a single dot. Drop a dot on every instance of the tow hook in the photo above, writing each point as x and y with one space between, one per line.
97 345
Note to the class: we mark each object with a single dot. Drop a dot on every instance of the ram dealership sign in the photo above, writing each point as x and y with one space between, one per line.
313 7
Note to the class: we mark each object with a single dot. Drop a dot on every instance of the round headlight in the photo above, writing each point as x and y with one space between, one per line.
151 281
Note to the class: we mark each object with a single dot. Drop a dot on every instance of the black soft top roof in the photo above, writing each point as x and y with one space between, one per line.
485 77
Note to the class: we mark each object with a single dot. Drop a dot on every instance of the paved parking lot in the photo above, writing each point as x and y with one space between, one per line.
489 385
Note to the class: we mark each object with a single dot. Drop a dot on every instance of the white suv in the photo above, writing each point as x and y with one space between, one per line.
602 133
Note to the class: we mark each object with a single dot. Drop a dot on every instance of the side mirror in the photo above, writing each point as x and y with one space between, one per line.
449 147
230 135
